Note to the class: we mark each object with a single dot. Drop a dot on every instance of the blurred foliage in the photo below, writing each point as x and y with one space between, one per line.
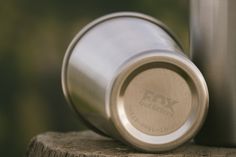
33 38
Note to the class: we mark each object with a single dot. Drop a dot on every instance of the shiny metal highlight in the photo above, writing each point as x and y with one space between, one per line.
213 44
125 75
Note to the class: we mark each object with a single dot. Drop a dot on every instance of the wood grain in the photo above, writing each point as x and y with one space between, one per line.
89 144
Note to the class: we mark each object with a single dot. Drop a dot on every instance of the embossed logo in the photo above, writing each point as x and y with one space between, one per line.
158 102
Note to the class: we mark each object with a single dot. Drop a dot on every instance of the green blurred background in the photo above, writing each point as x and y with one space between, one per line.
34 36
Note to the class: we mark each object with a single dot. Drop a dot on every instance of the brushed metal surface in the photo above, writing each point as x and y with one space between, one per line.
128 65
165 137
158 101
213 44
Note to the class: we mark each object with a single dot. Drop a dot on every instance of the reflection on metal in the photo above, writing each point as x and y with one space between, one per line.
213 36
126 75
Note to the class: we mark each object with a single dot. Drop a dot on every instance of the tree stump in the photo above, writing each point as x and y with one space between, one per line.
89 144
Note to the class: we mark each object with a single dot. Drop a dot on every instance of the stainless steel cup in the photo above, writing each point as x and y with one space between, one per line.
213 37
125 75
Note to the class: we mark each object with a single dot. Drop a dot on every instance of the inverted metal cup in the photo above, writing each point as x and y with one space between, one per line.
126 76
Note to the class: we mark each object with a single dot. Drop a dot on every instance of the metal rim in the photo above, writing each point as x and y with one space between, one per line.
130 134
82 33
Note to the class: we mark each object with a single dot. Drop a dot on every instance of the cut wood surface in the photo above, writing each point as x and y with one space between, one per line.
89 144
